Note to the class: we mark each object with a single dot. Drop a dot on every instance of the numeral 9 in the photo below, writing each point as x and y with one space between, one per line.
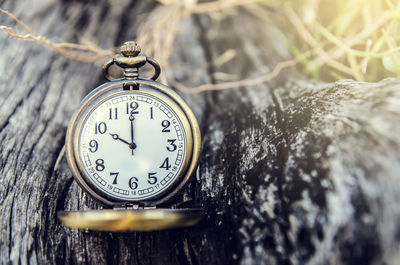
93 145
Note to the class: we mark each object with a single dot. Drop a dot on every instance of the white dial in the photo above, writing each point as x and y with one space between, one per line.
132 146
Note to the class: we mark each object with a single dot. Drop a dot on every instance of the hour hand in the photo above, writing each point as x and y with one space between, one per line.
116 137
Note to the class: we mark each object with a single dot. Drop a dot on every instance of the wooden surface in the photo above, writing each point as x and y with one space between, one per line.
292 171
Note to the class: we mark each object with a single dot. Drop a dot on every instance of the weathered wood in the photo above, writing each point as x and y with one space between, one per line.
292 171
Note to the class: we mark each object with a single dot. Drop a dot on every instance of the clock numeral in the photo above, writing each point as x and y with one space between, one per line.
173 145
151 113
152 179
93 146
131 108
133 183
166 164
165 124
115 116
116 176
100 128
100 164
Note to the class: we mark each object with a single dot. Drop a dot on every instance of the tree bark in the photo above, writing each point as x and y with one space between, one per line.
292 171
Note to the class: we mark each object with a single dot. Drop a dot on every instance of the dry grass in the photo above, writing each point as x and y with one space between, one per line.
162 25
360 37
331 39
82 52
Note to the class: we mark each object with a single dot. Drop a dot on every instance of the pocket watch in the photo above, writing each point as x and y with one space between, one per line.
133 144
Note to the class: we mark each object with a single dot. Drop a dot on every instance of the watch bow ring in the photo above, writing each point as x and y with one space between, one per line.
132 145
131 61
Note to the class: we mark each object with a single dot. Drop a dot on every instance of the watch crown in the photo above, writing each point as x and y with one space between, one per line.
130 49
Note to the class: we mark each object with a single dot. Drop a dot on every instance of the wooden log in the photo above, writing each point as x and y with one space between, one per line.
292 171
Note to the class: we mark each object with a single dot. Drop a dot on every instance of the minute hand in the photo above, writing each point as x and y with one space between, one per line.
132 145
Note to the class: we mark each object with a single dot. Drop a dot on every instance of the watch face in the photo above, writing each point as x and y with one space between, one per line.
132 146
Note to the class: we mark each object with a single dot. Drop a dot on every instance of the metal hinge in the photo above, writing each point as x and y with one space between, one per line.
132 206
